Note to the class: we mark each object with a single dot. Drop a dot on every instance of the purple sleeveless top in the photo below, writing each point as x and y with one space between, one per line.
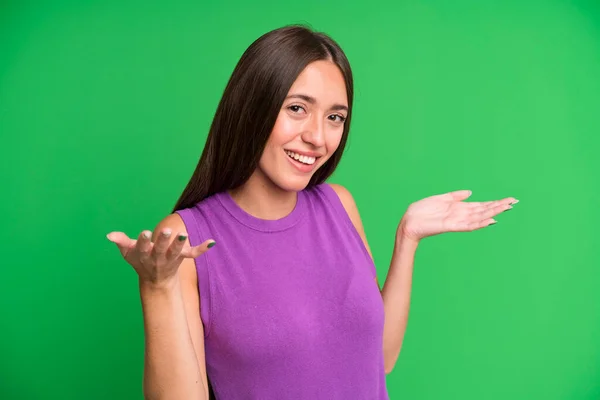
290 307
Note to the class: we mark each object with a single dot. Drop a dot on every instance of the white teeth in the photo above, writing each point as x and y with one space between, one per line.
301 158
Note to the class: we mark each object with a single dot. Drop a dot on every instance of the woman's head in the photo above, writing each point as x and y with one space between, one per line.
289 98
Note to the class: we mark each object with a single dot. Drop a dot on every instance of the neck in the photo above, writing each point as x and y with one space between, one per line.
262 199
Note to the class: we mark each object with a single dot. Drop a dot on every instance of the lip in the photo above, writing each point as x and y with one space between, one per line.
305 153
304 168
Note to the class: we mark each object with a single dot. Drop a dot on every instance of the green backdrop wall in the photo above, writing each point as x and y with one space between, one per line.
104 109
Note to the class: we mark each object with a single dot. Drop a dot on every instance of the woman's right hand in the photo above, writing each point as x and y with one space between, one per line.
156 263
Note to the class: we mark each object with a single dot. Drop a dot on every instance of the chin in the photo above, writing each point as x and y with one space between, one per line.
291 182
293 185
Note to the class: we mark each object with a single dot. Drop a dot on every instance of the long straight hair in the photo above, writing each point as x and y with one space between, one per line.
249 108
250 105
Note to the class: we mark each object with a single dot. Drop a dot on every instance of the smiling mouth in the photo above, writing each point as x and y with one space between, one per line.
300 158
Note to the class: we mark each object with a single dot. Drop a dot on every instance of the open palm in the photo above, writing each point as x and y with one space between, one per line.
449 212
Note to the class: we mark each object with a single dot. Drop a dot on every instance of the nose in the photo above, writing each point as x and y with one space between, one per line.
314 132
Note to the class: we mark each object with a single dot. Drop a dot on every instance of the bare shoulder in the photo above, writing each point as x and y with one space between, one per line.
174 222
341 191
348 203
189 291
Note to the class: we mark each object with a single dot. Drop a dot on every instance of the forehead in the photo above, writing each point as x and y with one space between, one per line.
322 80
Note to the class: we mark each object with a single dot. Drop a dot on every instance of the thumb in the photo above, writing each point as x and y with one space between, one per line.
197 251
459 195
123 242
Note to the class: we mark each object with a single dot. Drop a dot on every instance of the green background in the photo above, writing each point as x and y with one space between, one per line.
104 109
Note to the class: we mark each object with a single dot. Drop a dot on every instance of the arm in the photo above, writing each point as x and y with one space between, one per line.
397 287
430 216
174 366
396 297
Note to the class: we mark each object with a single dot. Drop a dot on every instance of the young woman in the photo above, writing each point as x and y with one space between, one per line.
287 304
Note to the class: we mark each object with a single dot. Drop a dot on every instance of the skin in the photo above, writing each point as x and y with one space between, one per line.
310 121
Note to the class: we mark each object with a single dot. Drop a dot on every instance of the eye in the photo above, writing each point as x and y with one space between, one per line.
337 118
296 108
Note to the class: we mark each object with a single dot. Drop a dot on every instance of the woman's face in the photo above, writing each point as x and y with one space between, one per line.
308 129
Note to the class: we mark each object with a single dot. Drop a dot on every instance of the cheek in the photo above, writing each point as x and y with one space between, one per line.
333 139
285 130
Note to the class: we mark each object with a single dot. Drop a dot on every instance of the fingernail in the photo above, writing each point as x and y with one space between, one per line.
514 202
211 244
181 237
508 209
493 222
147 235
166 233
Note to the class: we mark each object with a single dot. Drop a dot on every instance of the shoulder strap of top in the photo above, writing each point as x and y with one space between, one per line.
336 203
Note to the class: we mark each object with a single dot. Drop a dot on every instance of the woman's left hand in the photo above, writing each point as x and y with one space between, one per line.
449 212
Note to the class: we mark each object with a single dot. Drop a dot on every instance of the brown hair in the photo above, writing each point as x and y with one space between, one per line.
250 105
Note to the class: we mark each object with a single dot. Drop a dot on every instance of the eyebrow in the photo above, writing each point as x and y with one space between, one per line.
312 100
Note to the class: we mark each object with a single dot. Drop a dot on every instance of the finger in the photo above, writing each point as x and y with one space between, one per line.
144 245
475 225
123 242
176 246
458 195
485 205
197 251
480 205
493 211
509 200
161 243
